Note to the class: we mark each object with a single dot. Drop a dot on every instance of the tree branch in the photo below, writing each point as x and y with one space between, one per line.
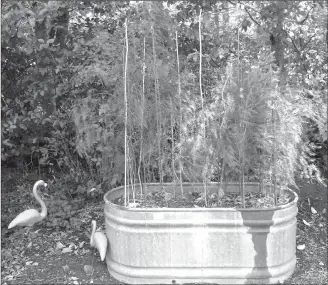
256 22
232 3
252 17
308 41
299 53
249 6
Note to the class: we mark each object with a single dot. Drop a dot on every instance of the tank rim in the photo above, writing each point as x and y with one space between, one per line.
200 209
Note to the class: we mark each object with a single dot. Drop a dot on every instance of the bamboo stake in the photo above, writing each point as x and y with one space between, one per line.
160 132
128 176
142 113
241 161
150 171
220 136
241 146
274 159
132 179
173 145
267 170
158 112
238 80
144 171
242 176
130 188
126 108
221 177
180 110
200 68
261 172
202 104
274 150
238 52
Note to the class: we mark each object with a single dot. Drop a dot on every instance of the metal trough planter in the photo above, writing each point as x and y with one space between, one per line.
200 245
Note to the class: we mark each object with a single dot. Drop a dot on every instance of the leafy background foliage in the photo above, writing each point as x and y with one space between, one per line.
62 88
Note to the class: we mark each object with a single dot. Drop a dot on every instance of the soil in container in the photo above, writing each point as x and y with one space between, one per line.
163 199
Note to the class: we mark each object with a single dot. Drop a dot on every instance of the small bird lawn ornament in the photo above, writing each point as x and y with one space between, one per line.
98 240
30 217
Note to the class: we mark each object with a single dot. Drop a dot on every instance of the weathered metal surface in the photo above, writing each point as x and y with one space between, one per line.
200 245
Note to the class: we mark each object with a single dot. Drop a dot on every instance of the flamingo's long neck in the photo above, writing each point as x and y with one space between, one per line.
93 232
43 205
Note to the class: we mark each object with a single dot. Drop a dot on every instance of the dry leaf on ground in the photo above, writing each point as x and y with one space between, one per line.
66 250
88 269
306 223
313 210
59 245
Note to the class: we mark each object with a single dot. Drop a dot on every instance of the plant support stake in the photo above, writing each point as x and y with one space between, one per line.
173 145
126 108
142 112
158 111
180 111
202 103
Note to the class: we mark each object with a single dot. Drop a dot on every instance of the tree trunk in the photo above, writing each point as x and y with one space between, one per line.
277 43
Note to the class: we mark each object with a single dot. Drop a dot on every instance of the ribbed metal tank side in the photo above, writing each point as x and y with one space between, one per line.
213 245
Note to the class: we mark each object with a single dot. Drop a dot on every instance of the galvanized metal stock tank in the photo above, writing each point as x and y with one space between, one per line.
200 245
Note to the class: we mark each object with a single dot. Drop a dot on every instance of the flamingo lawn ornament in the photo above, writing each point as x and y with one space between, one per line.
30 217
99 241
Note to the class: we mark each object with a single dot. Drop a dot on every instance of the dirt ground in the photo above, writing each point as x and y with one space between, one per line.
54 256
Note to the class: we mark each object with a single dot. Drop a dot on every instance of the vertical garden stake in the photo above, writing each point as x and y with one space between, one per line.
126 108
173 145
158 111
202 105
142 112
180 111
